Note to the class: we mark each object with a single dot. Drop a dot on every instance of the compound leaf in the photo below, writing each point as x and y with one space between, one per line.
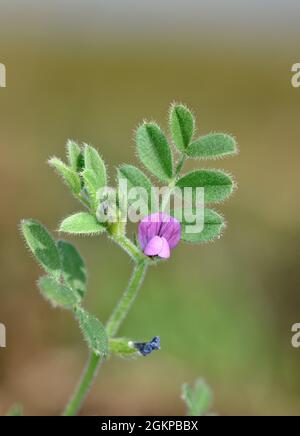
154 151
81 223
212 146
93 332
57 293
182 126
42 246
73 267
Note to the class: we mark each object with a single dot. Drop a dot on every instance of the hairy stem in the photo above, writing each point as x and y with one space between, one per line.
127 299
113 324
128 246
84 385
179 166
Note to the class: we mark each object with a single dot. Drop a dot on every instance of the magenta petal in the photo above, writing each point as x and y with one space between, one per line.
162 226
165 249
148 228
154 246
143 234
171 230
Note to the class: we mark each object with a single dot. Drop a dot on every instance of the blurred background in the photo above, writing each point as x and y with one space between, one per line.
91 71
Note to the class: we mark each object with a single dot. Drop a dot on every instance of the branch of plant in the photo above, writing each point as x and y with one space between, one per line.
118 316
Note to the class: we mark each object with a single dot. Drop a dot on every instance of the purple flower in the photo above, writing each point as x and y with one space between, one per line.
159 233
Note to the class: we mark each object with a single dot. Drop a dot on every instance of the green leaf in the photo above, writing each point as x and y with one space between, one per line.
135 179
214 224
93 162
74 155
91 184
182 126
198 399
121 346
93 332
154 151
70 177
81 223
57 293
42 245
15 410
217 185
212 146
73 267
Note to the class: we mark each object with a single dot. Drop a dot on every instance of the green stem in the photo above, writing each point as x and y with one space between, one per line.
113 324
172 183
83 388
131 249
179 166
127 299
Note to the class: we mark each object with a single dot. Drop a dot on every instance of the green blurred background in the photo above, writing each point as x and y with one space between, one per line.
92 71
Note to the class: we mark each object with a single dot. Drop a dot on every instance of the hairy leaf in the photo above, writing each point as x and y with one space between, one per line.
93 332
73 267
74 155
57 293
213 226
135 179
42 245
217 185
182 125
154 151
134 176
93 162
213 145
197 399
71 178
91 184
81 223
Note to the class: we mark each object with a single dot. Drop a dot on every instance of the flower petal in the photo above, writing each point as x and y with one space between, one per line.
162 225
148 228
165 249
154 246
171 230
143 234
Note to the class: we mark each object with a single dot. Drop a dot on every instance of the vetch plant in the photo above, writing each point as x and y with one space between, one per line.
159 232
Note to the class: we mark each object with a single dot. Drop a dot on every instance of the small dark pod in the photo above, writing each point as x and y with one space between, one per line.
146 348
